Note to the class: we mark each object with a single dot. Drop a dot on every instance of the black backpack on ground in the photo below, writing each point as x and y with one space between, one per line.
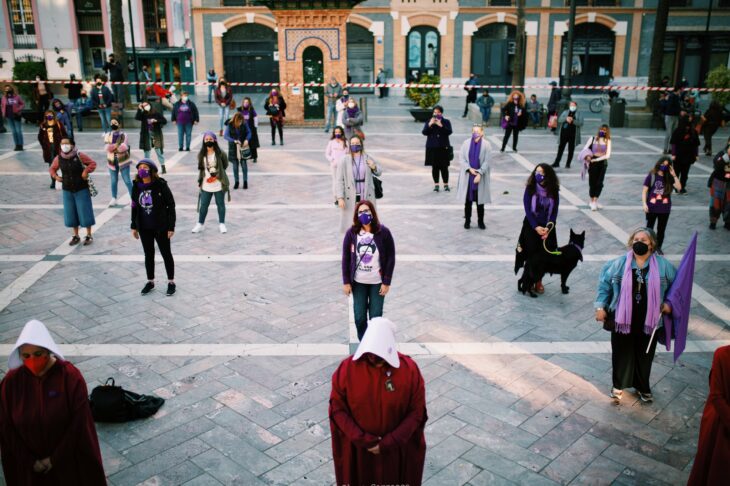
111 403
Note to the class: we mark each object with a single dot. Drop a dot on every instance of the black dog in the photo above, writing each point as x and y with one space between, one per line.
537 265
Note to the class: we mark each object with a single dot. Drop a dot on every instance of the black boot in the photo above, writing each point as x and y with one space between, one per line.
480 216
245 184
467 215
164 171
235 186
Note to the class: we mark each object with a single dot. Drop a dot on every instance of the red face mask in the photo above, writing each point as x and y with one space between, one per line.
36 364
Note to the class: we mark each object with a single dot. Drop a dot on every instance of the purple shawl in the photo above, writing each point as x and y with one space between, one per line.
474 151
542 198
352 112
626 295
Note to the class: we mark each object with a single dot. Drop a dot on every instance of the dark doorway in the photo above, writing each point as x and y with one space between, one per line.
313 65
592 62
424 52
360 57
492 53
249 55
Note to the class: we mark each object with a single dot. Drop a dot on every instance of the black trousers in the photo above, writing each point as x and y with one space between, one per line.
467 211
568 140
148 238
471 97
682 167
277 125
661 226
631 363
596 174
440 169
507 131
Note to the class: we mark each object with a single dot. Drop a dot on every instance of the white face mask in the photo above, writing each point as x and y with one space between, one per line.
147 108
65 148
351 105
184 98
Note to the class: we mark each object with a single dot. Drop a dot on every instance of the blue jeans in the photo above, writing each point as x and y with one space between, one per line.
118 91
211 88
367 303
244 169
534 117
77 209
17 128
106 118
223 113
485 114
160 155
331 116
114 179
220 203
184 132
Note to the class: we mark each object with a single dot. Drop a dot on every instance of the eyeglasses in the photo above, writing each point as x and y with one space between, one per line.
364 211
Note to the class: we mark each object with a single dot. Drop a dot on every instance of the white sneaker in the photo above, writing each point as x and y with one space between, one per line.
593 206
198 228
223 229
113 202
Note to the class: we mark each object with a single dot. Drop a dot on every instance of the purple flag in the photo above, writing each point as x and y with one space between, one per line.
679 297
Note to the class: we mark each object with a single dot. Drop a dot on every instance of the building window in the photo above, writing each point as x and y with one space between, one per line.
595 3
155 22
21 24
88 16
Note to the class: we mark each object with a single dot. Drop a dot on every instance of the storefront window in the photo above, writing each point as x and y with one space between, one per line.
423 52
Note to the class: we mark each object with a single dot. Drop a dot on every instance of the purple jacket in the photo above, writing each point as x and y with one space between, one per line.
386 250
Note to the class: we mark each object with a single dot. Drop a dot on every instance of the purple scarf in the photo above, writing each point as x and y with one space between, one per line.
541 197
359 162
474 151
625 298
116 135
351 112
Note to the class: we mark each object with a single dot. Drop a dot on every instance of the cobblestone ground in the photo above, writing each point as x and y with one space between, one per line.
517 387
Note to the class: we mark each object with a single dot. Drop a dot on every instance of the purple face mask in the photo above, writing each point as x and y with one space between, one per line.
143 173
338 135
365 218
438 116
539 177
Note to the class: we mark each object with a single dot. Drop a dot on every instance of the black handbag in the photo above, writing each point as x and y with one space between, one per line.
378 187
111 403
450 152
610 323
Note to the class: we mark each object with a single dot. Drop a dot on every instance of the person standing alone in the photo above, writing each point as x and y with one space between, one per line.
569 124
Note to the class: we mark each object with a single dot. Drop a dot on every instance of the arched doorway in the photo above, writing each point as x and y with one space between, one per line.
424 52
313 65
592 62
248 56
492 53
360 56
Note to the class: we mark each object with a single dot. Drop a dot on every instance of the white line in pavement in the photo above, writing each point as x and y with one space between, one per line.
707 300
324 257
336 349
441 207
14 153
654 149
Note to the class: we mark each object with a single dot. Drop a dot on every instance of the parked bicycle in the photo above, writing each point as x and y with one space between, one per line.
596 104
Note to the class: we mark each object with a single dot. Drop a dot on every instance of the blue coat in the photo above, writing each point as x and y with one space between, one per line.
106 94
609 282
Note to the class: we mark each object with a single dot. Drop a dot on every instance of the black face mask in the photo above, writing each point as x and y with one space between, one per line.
210 143
640 248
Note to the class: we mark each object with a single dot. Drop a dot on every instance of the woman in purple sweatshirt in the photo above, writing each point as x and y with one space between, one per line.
368 260
541 201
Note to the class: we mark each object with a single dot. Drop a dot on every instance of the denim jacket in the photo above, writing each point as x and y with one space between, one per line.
609 283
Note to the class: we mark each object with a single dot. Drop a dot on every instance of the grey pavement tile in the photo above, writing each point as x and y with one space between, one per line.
237 424
167 440
550 416
238 450
502 447
438 430
645 465
600 471
308 438
458 473
574 459
487 478
625 422
552 444
494 426
296 467
249 408
443 454
180 474
224 470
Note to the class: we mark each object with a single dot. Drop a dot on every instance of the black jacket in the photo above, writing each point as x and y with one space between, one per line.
510 109
163 206
144 134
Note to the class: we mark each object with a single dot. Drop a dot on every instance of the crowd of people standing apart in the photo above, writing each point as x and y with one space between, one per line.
632 289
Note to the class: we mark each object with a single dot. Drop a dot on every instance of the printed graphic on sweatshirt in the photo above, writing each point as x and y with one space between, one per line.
145 201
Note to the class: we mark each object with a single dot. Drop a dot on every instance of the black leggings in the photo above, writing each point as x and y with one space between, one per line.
661 226
443 170
507 131
277 124
596 174
570 142
682 166
148 238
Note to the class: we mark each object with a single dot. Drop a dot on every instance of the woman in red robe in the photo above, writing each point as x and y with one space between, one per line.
712 462
47 434
378 413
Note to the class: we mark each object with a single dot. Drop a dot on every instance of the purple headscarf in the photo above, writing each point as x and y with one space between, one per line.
211 135
624 308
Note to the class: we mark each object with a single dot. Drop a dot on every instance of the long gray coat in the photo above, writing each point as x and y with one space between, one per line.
352 123
484 194
345 187
577 121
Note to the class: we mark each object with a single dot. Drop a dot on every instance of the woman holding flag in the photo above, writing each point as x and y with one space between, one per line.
631 298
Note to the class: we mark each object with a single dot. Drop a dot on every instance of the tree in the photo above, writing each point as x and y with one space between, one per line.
719 78
518 64
657 53
119 43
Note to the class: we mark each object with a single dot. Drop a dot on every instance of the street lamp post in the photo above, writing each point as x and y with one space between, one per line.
134 50
565 98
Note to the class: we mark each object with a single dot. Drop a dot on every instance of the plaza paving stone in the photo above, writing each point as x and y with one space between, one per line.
274 279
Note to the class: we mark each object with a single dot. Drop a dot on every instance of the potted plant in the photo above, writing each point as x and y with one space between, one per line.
425 98
27 70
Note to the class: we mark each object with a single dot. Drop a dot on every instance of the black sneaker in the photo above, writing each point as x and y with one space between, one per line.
646 397
245 184
713 226
235 186
164 171
148 288
171 287
446 189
